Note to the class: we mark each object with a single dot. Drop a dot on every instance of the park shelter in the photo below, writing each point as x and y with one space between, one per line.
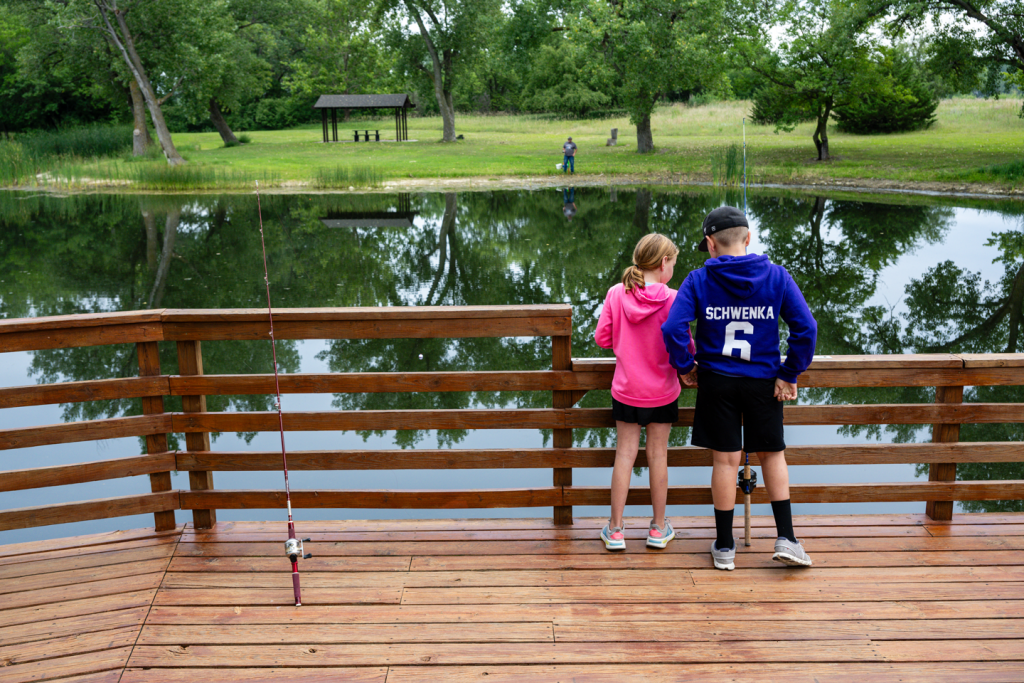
400 103
400 217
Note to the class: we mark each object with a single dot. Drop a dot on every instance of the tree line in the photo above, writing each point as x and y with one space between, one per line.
868 65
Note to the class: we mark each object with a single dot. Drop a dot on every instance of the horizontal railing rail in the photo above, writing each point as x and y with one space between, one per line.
568 381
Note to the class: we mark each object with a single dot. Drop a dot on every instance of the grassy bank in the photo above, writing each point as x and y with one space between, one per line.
973 141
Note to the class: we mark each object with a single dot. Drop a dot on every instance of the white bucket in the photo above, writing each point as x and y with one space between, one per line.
558 166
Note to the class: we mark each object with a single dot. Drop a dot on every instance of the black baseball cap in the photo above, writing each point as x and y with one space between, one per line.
722 218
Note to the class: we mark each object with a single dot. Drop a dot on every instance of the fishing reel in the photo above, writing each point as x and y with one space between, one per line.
747 485
293 549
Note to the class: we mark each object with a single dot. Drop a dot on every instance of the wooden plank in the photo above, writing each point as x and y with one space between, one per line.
59 628
90 390
363 674
895 361
992 360
944 433
282 597
314 564
283 579
190 362
477 632
408 500
498 523
375 382
378 313
79 542
10 566
86 606
64 646
83 562
868 414
792 592
575 653
103 508
346 420
453 328
847 672
63 594
513 548
986 530
529 458
561 359
963 558
635 532
82 576
62 667
77 321
61 475
668 613
149 366
894 629
85 430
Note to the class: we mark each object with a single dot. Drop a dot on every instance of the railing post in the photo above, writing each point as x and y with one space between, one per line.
149 366
561 359
190 362
945 471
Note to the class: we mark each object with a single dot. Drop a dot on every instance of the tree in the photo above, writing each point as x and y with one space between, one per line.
897 99
656 47
819 65
453 32
992 30
111 21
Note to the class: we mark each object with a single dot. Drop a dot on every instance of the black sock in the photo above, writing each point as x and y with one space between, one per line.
783 512
723 525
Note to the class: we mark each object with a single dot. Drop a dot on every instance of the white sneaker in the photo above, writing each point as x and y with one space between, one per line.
791 553
724 559
613 537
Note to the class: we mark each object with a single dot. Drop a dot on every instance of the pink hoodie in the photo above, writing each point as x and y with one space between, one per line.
630 324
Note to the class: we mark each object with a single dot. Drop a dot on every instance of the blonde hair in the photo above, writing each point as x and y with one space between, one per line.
648 255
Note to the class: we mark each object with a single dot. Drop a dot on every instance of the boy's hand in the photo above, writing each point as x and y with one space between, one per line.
690 378
784 391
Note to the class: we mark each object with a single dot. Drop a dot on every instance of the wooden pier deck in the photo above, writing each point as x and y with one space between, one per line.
891 597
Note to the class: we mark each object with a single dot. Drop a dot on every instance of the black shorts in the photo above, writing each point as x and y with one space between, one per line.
668 413
726 405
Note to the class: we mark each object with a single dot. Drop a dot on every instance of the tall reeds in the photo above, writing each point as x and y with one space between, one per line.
727 166
335 177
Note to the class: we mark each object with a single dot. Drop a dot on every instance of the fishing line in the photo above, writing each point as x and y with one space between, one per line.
292 547
747 483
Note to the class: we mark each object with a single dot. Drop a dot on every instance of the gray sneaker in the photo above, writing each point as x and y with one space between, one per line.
724 559
791 553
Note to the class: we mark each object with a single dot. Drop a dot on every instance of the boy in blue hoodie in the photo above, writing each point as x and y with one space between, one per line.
737 300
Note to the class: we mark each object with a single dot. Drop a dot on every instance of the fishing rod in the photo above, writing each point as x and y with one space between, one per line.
292 547
748 480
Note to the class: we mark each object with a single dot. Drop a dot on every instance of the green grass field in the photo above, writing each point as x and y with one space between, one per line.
969 135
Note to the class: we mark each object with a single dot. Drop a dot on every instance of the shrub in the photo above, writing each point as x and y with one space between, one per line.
897 99
244 138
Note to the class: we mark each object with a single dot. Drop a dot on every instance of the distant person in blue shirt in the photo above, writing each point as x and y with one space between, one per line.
569 157
737 300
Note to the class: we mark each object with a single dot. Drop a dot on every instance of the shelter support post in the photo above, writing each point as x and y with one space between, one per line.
323 117
945 471
561 359
334 124
149 366
190 362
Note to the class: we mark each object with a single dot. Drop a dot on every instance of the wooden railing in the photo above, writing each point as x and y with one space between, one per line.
568 381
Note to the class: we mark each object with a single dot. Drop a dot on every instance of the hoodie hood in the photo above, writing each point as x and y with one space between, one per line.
642 302
740 276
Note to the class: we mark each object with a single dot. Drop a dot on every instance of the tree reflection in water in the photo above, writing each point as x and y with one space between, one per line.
106 253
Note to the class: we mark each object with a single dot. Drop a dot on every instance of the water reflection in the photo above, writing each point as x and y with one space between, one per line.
106 253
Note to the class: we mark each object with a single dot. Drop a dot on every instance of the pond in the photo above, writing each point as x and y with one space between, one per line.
890 274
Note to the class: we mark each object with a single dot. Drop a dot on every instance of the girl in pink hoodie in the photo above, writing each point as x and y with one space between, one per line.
645 387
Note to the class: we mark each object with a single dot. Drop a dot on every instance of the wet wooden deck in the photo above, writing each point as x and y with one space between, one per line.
889 598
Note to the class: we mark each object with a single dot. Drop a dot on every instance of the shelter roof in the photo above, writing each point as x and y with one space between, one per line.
364 102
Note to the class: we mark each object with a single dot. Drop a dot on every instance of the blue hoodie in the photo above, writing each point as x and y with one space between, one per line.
737 301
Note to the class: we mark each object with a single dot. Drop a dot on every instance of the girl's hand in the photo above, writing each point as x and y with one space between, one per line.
690 378
784 391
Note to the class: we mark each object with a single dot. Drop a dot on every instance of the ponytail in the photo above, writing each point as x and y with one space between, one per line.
648 255
633 277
